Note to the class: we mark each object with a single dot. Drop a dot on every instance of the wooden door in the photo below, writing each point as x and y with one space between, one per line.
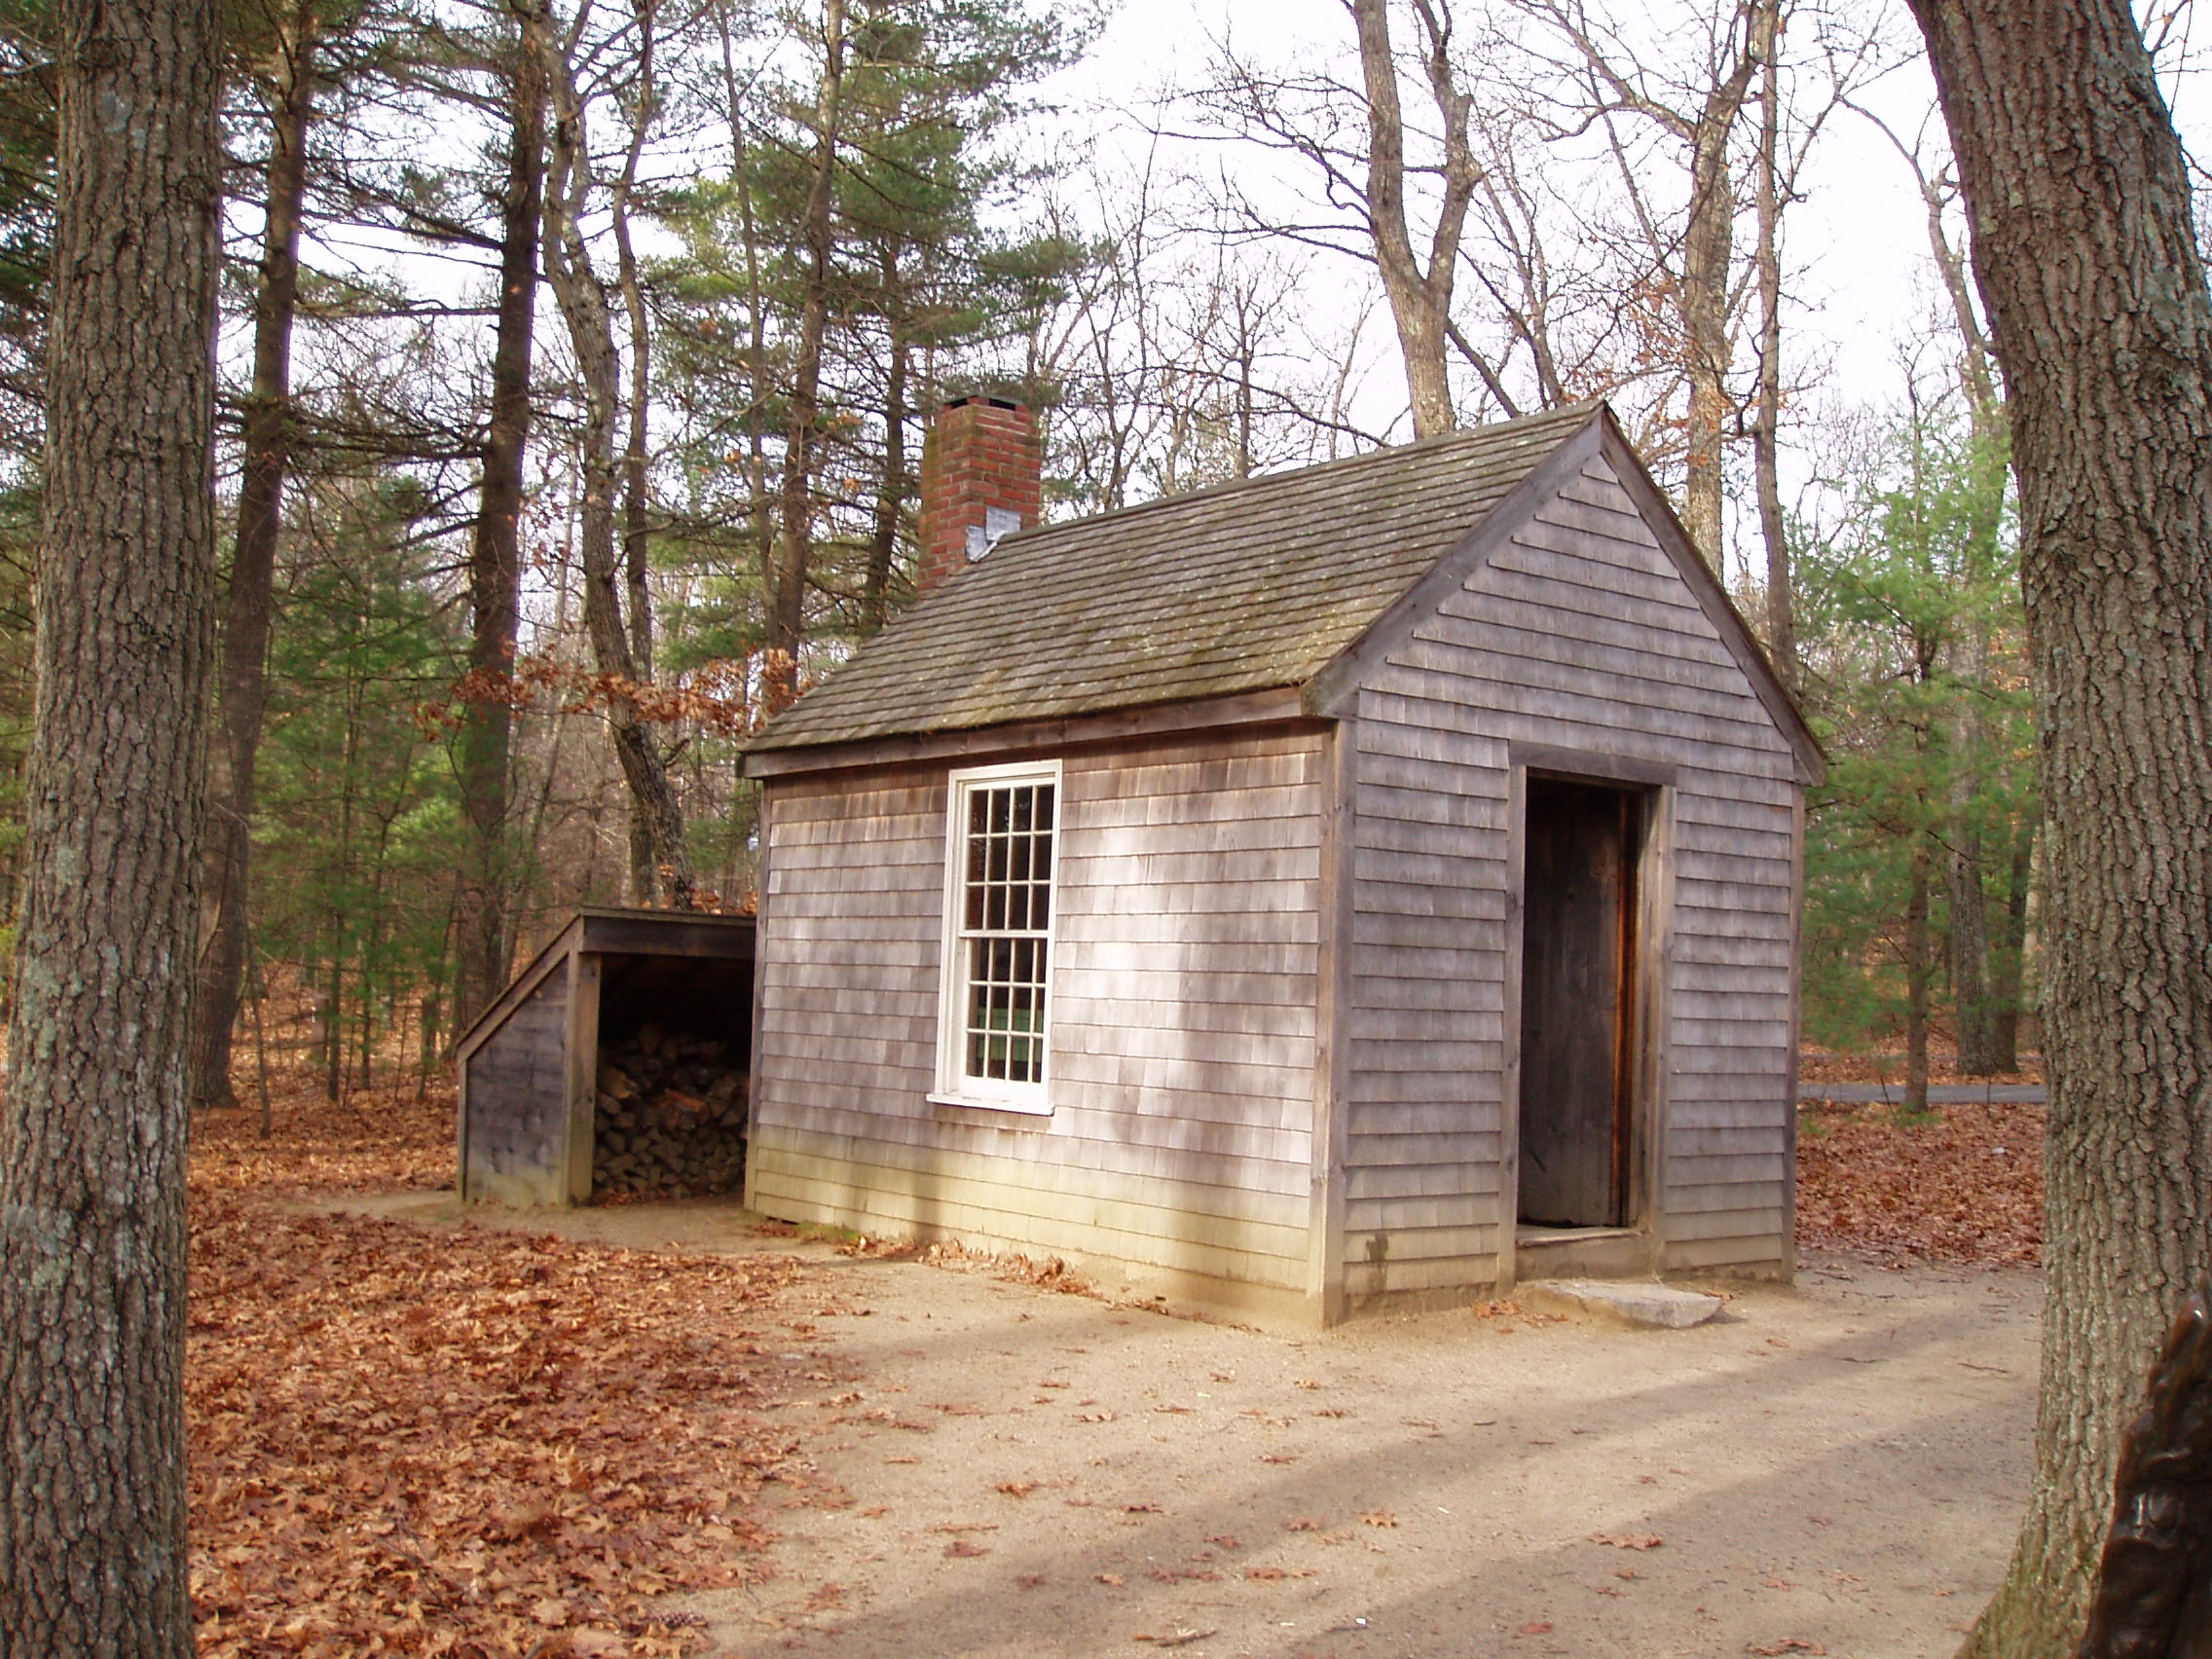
1576 1024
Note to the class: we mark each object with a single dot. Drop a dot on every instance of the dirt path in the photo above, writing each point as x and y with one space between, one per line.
1008 1473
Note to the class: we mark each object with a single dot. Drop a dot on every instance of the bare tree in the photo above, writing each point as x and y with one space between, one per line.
664 868
1184 355
1695 259
1359 146
1766 417
1421 300
93 1135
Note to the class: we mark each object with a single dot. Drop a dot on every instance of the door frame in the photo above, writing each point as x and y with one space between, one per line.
1652 950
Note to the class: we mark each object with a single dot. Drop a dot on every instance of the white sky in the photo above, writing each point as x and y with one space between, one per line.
1862 285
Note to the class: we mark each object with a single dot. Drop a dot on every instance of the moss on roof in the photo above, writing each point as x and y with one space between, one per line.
1245 587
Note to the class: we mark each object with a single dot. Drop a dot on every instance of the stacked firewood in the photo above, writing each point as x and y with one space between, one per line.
671 1116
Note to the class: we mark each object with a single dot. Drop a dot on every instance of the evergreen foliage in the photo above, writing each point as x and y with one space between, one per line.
1915 658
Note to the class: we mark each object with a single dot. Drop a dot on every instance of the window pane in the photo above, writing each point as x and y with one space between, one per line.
1005 901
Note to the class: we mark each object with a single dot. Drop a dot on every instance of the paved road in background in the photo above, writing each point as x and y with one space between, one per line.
1938 1094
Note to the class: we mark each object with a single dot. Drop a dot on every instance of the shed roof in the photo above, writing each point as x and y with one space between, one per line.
1243 587
1250 587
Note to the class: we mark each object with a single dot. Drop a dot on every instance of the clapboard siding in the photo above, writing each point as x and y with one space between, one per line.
517 1090
1576 634
1183 1017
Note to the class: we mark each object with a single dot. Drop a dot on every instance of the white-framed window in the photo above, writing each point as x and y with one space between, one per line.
994 1004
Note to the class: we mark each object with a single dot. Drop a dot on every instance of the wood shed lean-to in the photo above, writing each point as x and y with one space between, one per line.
1360 886
614 1062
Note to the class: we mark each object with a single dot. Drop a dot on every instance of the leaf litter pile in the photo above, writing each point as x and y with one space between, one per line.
1964 1185
468 1442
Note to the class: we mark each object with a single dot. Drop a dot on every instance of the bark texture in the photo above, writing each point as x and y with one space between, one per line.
664 865
794 547
1970 946
494 560
2087 256
2007 958
1766 427
1420 301
891 499
268 431
92 1136
1918 970
1709 257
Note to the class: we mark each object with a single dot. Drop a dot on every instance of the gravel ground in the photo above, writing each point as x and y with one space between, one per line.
1001 1472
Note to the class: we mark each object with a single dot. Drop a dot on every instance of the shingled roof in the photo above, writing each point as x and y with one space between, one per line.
1245 587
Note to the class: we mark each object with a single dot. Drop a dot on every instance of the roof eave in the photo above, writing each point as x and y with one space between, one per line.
1178 717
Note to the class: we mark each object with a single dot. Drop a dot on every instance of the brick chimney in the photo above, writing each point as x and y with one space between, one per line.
983 476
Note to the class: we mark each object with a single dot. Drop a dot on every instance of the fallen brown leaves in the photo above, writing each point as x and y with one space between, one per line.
1965 1186
1817 1065
367 1142
466 1443
1008 1268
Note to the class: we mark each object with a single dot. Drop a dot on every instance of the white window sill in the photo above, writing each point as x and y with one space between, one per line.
1028 1108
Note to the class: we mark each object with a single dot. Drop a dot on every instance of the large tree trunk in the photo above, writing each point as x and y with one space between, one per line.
591 337
254 562
2084 248
1766 429
495 566
93 1132
756 307
795 538
2009 952
1918 970
1970 958
637 492
891 497
1709 249
1420 301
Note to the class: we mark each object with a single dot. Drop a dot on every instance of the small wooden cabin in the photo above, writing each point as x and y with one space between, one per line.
1351 888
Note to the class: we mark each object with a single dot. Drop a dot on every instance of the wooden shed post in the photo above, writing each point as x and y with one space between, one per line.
763 830
1509 1079
1332 1056
1796 1023
583 1071
460 1127
1655 974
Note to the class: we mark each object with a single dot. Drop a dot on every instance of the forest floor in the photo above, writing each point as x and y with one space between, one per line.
650 1429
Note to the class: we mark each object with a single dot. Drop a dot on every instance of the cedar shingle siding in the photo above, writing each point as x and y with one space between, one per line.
1299 719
